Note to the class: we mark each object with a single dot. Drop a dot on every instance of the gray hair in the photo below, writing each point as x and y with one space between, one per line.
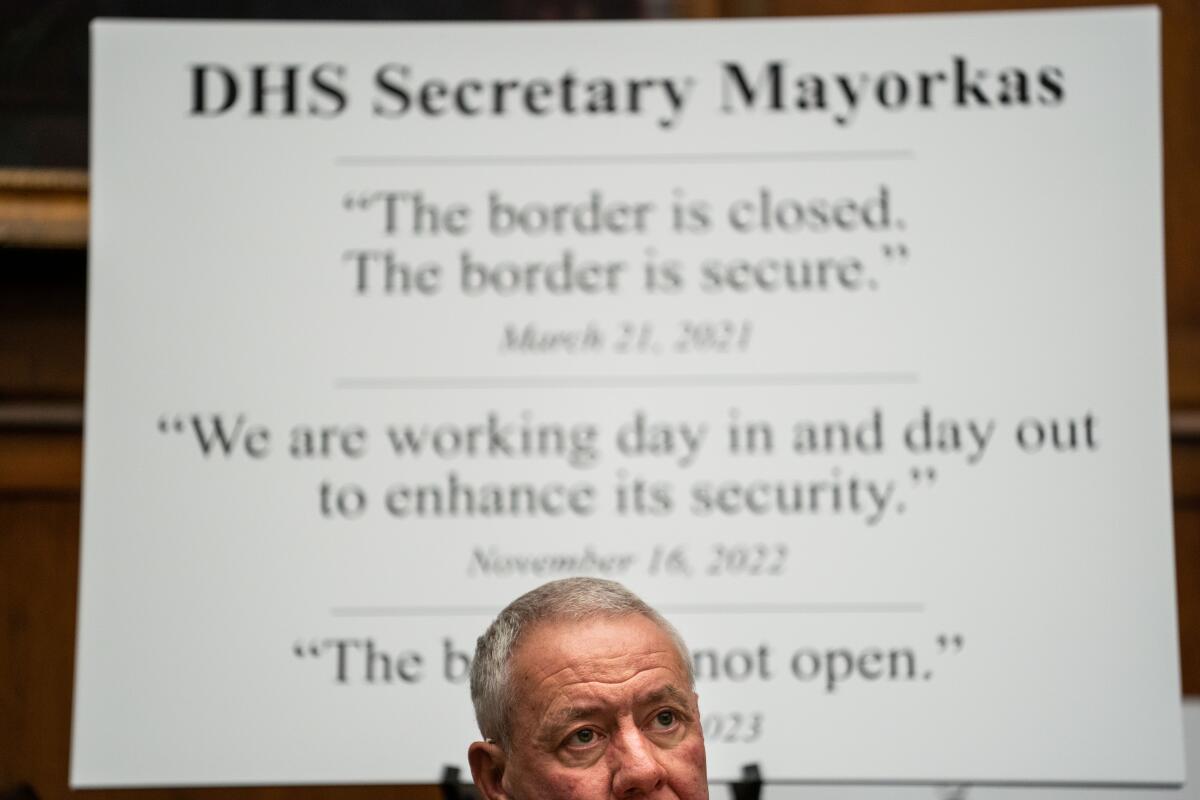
571 599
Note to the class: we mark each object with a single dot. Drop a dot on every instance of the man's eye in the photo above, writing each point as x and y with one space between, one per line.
665 718
582 737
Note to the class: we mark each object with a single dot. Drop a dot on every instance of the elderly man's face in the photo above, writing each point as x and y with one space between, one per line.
603 710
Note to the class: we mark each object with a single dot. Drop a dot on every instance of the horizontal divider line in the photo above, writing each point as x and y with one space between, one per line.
630 381
414 611
629 158
698 608
795 608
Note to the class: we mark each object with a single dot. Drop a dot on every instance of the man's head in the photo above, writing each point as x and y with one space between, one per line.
583 692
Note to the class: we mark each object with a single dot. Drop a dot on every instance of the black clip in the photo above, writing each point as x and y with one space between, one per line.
453 788
750 786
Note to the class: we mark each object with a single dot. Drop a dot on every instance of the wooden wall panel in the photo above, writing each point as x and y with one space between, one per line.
43 208
38 566
1187 581
42 324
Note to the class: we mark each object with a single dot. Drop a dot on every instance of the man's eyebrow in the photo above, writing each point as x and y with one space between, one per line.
552 727
572 713
668 692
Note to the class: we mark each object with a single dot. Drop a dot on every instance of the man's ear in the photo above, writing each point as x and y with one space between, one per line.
487 762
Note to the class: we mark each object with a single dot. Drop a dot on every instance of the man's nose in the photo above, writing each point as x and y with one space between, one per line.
637 770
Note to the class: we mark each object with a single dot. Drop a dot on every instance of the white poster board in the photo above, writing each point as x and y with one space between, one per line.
1189 791
839 340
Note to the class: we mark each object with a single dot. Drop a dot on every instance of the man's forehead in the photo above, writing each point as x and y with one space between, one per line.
596 639
595 651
